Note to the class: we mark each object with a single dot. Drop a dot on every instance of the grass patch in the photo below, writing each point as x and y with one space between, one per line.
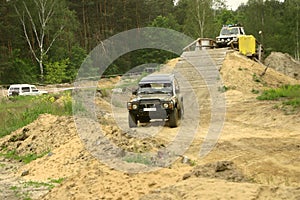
35 184
17 112
138 158
288 94
19 194
49 185
57 181
23 158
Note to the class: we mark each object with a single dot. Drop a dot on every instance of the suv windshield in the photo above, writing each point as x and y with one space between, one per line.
155 88
230 31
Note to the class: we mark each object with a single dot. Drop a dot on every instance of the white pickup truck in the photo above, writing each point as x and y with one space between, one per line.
24 89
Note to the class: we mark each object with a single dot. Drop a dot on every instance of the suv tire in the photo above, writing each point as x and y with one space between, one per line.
132 120
173 120
14 93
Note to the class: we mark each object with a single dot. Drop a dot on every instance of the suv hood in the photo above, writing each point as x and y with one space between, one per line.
226 36
163 97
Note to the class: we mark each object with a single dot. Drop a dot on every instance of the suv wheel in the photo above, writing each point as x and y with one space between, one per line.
14 93
132 120
173 120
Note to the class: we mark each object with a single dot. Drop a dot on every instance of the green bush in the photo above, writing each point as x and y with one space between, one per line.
56 72
19 111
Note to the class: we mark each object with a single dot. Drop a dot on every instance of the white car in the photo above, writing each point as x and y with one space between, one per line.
23 90
228 34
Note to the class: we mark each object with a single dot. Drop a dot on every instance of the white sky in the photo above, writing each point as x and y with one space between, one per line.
234 4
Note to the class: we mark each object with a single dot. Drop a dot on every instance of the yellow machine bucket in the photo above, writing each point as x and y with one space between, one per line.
247 45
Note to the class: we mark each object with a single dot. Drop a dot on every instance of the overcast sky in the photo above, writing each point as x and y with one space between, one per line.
234 4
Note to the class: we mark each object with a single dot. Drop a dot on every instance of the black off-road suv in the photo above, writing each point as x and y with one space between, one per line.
157 97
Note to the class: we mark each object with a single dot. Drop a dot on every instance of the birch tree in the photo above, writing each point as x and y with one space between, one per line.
39 27
200 18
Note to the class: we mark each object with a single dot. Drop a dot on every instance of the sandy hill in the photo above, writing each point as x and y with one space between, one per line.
256 157
284 63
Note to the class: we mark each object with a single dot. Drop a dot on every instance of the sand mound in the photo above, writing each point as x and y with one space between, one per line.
43 135
244 75
284 63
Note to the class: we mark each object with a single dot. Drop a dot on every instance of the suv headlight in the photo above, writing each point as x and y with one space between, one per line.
168 105
131 106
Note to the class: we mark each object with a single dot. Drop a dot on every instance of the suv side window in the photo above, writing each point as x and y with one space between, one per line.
25 89
33 89
14 89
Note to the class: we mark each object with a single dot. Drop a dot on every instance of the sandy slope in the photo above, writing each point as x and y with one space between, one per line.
256 157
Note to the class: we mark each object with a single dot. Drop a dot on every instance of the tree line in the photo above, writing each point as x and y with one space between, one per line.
47 40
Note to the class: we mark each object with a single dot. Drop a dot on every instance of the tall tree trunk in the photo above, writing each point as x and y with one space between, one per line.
45 13
84 26
297 34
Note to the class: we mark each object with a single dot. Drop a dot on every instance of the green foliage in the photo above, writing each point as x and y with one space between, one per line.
78 54
289 94
286 91
276 19
136 58
225 17
166 22
19 111
56 72
87 23
18 70
203 18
